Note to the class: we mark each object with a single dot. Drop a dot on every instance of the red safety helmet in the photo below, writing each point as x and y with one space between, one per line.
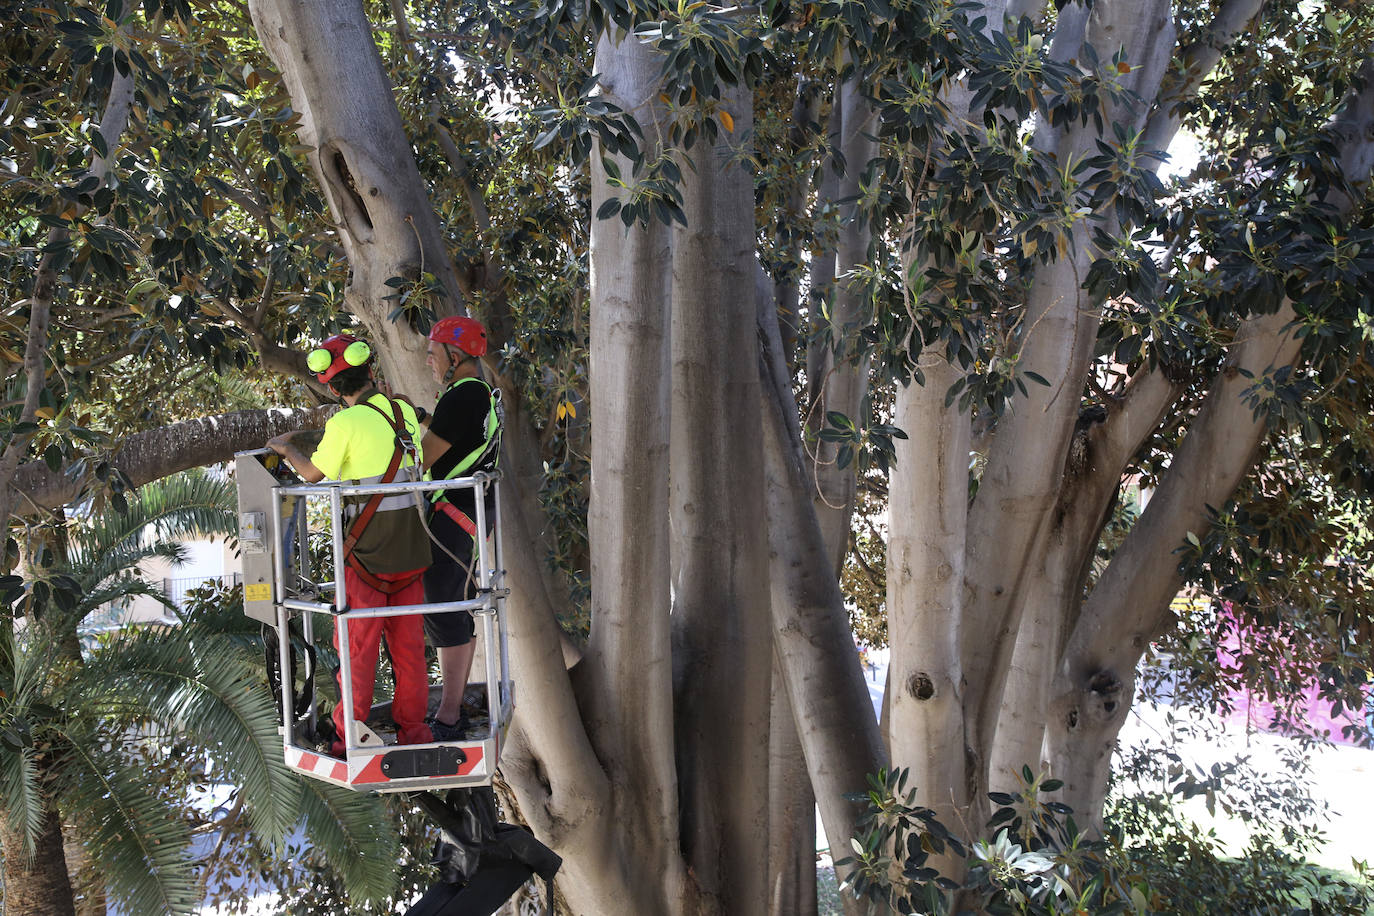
466 334
334 355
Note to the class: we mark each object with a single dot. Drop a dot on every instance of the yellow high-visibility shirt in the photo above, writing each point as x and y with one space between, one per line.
358 442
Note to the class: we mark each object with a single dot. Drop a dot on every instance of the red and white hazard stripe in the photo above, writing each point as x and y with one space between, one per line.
317 765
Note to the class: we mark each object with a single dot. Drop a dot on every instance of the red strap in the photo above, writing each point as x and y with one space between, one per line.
385 586
459 517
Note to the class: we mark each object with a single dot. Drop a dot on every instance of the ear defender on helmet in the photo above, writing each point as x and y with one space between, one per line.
340 352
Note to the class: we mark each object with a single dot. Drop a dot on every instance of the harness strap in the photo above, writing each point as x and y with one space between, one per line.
491 444
404 444
459 517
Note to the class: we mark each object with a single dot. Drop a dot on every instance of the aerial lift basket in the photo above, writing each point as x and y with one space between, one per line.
281 586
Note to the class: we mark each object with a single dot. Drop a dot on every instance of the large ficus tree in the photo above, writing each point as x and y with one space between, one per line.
919 248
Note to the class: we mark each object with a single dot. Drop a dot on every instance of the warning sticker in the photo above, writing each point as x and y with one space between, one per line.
258 591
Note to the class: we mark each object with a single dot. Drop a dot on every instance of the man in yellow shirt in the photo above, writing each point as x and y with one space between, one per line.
372 440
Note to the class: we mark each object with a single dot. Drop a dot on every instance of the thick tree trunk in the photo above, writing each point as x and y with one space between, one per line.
563 791
925 574
38 886
926 700
627 704
365 165
1021 720
722 645
1009 523
1098 458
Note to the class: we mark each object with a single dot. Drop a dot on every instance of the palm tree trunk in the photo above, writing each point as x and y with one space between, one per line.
40 886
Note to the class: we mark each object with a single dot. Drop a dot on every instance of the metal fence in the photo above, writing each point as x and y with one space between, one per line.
176 589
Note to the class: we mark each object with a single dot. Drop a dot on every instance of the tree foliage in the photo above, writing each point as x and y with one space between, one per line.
108 735
977 265
1036 859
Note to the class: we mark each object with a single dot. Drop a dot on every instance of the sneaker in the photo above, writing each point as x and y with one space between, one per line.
444 732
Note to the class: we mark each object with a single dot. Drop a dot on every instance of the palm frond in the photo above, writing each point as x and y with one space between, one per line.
209 690
119 589
94 571
343 825
26 664
187 504
21 797
139 843
105 550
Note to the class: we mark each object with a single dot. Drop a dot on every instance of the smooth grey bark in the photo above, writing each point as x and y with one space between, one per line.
824 680
929 725
840 375
721 644
1129 604
627 704
925 573
564 794
1009 520
365 165
1194 64
1099 455
1050 480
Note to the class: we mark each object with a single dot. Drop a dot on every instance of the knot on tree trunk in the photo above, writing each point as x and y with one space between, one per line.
921 686
1104 694
1080 452
1096 704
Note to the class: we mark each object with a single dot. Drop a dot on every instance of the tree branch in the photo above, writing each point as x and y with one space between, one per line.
1195 62
1353 131
1130 602
112 124
811 635
161 452
499 320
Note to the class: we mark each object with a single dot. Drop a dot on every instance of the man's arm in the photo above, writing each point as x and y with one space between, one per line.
286 446
433 448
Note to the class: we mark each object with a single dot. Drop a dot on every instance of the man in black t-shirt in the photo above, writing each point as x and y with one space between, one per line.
464 437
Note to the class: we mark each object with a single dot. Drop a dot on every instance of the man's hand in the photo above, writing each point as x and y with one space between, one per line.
285 446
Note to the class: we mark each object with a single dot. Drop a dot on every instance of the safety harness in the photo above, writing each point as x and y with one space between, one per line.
405 445
475 458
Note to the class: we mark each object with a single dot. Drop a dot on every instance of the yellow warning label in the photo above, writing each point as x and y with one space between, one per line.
258 591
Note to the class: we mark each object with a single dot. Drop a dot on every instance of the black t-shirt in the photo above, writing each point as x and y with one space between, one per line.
460 419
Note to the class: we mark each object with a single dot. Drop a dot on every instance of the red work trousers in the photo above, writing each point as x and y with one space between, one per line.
405 640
